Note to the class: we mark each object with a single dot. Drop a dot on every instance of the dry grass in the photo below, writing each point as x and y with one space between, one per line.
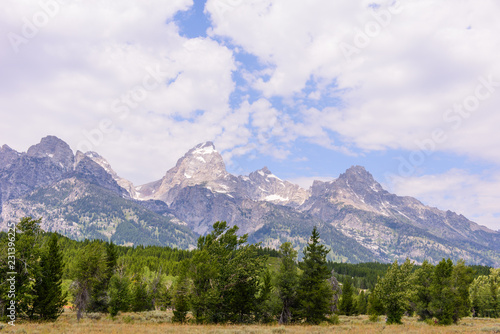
159 322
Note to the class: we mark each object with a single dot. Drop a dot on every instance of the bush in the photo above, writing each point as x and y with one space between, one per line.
94 315
128 319
279 330
334 319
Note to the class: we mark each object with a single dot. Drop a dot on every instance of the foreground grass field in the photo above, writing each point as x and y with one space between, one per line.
159 322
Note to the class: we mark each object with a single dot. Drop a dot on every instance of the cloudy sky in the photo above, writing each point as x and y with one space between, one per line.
409 89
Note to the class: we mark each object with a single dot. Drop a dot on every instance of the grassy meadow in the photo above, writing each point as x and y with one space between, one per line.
159 322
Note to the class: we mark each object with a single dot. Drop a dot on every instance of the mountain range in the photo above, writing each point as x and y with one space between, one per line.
81 196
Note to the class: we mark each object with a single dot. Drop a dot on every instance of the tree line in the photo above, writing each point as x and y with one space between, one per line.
227 280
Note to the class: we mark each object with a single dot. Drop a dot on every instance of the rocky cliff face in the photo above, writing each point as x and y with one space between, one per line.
262 185
203 166
45 163
56 150
104 164
81 196
389 224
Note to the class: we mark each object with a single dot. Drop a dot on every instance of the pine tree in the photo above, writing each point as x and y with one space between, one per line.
119 296
99 294
50 300
141 300
346 306
287 281
89 270
314 292
442 292
226 276
422 281
181 298
267 301
462 277
375 307
111 261
203 271
394 291
362 303
27 253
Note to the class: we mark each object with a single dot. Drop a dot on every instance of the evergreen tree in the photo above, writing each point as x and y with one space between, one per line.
287 282
205 294
375 306
422 282
119 296
442 294
314 291
99 297
89 269
226 276
27 254
141 300
181 298
394 291
50 300
462 277
266 304
362 303
111 261
346 306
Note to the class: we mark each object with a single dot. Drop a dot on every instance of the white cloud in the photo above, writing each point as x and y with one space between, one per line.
392 93
396 89
90 62
474 196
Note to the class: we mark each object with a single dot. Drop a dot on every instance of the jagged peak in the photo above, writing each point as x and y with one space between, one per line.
92 154
49 145
78 157
263 172
7 149
7 156
202 160
357 172
55 149
203 148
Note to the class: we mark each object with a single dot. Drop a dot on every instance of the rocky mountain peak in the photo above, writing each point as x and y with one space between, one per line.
358 173
5 148
263 185
202 163
87 169
55 149
124 183
358 178
262 173
7 156
207 147
266 170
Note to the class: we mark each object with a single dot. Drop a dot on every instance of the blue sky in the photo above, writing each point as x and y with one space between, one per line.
408 89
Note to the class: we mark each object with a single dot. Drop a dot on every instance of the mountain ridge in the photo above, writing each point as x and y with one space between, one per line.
358 218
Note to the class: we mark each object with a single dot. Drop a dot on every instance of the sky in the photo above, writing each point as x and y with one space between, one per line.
408 89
